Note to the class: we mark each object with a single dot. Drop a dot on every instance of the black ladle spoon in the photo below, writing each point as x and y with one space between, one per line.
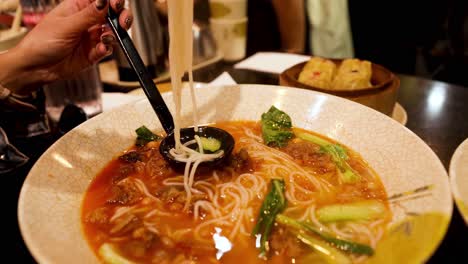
159 106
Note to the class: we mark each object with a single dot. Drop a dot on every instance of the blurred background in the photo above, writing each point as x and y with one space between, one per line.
425 38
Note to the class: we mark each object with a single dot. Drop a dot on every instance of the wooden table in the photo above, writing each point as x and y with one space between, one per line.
437 113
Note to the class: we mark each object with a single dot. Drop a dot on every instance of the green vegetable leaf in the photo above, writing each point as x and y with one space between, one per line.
338 155
276 127
144 135
314 139
340 151
274 203
279 117
348 246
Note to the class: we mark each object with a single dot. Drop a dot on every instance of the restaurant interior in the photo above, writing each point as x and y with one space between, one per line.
325 108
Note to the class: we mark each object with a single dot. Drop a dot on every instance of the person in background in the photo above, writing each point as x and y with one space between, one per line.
276 25
329 29
291 24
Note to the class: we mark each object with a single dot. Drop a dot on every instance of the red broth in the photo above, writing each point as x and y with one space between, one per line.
136 202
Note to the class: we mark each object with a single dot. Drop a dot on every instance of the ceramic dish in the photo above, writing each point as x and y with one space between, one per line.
459 178
416 182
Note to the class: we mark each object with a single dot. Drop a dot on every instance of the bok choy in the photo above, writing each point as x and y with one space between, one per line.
348 246
274 203
144 135
364 210
276 127
338 155
327 252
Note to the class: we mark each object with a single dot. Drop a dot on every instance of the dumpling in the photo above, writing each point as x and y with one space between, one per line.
318 72
353 74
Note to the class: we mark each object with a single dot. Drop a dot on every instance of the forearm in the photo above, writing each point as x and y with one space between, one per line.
291 22
14 74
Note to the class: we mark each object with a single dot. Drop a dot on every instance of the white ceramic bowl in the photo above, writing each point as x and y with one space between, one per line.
50 201
459 178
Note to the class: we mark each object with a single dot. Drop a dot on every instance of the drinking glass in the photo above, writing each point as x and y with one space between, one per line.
84 91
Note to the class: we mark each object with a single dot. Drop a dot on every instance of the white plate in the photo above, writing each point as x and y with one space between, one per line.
50 200
459 178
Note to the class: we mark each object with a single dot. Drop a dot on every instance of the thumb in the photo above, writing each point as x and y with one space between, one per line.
91 15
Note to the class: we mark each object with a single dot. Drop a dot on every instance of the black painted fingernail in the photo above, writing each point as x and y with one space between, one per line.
119 5
109 50
100 4
107 39
128 21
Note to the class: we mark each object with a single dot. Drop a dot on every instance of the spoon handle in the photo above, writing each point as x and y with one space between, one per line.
144 78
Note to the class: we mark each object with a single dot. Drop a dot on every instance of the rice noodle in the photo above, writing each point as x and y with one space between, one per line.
180 56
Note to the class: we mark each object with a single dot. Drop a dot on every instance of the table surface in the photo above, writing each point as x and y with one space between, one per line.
436 113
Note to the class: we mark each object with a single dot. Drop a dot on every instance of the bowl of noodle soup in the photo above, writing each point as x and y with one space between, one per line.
96 197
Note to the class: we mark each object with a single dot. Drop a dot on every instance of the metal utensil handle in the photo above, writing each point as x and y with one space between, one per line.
144 78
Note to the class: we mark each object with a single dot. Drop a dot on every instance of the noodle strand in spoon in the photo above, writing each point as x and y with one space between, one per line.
180 16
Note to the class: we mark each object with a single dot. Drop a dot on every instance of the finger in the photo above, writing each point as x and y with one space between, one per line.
100 32
94 36
99 52
95 30
108 38
93 14
67 8
117 5
126 19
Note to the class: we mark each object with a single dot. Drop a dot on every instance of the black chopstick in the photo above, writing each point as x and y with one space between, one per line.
144 78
